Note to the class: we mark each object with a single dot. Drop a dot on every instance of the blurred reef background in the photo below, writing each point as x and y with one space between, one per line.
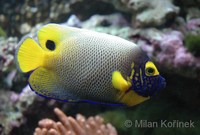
168 31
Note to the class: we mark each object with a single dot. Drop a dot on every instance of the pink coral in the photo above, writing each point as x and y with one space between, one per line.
173 49
171 42
183 58
71 126
193 24
168 48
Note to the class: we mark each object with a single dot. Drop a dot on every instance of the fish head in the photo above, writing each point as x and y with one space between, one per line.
146 79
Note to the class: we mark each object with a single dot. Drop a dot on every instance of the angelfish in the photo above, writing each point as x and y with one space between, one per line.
77 65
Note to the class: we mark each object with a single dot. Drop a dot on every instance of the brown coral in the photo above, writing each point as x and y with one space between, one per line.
74 126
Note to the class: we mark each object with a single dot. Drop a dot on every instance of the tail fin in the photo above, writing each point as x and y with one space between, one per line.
29 55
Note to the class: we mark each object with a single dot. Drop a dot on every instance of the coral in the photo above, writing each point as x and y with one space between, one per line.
13 105
7 51
10 78
167 49
10 118
193 26
71 126
2 33
192 42
30 13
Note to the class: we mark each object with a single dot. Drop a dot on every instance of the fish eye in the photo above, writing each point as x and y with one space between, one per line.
150 71
50 45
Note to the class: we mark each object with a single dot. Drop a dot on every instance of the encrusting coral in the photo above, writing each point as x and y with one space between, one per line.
74 126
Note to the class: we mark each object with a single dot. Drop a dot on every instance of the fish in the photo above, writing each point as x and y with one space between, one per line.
78 65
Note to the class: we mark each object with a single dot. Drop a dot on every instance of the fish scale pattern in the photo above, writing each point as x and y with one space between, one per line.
88 61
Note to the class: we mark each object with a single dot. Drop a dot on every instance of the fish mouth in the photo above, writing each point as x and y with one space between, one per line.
161 84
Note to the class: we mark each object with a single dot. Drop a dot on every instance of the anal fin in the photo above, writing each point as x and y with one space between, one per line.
131 98
46 83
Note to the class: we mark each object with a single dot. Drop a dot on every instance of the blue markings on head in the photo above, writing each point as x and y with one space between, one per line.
146 85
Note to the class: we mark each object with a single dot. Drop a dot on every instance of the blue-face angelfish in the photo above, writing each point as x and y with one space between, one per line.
77 65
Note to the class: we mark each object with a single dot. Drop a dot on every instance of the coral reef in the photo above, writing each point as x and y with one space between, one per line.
12 108
168 50
21 16
168 31
7 51
192 43
71 126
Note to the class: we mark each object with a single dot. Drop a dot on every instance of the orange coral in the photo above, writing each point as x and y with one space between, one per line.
74 126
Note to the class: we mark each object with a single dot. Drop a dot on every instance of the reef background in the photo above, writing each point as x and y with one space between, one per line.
168 31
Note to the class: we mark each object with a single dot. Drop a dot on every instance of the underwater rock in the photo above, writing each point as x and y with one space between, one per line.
114 24
148 13
118 4
26 98
10 79
83 10
25 28
193 13
154 13
105 21
7 51
29 12
187 3
73 21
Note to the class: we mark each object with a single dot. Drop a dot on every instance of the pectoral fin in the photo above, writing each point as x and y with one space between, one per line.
119 82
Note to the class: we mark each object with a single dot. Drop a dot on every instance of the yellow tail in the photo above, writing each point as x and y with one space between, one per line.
29 55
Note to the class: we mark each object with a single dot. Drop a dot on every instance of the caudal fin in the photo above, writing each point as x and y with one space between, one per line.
29 55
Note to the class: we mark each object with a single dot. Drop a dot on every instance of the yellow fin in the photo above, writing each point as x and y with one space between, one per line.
29 55
131 98
47 84
119 82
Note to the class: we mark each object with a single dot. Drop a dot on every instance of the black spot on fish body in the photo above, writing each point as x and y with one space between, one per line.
50 45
